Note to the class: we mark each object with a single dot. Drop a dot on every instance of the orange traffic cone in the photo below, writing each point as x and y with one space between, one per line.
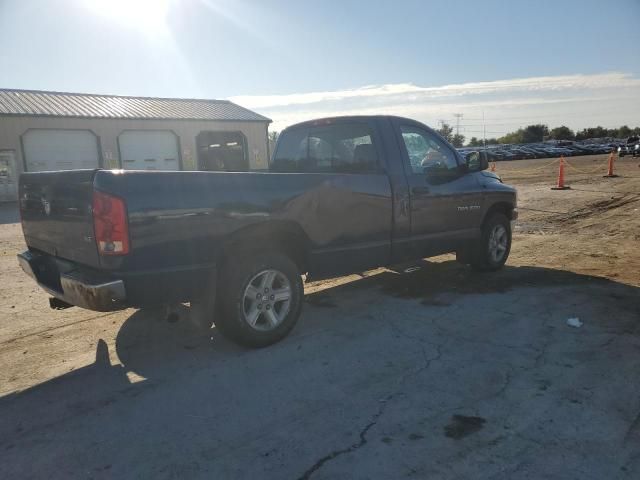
561 185
610 173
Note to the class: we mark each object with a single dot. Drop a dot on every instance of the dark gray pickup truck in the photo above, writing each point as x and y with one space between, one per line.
341 195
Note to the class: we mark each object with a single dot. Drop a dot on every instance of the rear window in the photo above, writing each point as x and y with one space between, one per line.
341 148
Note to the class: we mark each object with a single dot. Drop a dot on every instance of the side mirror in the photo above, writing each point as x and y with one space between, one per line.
476 161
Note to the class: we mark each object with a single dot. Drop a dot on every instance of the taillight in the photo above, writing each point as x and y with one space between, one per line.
110 224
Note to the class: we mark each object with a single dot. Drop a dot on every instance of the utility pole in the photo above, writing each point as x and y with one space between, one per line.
458 117
484 132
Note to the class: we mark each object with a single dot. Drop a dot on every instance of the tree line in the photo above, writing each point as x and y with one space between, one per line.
538 133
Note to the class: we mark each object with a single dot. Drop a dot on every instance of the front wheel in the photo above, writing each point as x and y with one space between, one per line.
492 251
260 299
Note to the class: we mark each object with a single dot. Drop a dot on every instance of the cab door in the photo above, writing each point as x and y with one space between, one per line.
445 200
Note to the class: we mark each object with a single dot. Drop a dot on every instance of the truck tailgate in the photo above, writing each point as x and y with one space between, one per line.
55 208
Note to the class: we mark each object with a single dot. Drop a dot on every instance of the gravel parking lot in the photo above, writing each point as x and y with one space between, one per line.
434 372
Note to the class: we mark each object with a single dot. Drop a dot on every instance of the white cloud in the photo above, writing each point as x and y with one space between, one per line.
604 80
575 100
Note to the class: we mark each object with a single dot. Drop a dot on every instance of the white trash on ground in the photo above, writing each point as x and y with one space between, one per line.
574 322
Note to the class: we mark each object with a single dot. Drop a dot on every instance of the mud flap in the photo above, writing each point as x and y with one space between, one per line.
203 308
463 256
57 304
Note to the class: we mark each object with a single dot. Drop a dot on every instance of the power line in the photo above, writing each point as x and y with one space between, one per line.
486 131
528 117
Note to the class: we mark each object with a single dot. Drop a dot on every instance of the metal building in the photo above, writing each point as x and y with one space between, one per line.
59 131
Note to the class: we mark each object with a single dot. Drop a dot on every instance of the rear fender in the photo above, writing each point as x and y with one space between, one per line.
283 236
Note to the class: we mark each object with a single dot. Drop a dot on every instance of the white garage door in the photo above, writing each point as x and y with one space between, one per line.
149 150
60 150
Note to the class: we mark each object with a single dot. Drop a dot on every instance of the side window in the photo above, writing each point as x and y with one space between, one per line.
340 148
428 155
320 151
292 151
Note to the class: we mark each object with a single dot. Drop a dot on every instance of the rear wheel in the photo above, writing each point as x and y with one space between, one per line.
260 299
492 251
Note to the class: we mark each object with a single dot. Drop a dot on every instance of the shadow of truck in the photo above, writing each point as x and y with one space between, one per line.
200 395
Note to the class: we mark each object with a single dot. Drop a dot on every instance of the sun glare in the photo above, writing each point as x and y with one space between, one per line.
148 16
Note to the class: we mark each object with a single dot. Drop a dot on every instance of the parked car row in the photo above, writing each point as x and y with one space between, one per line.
630 147
541 150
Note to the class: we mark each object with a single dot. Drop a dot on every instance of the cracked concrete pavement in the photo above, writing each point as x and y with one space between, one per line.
437 373
365 387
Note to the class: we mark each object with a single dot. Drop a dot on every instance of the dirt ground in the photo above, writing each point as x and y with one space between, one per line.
593 229
434 373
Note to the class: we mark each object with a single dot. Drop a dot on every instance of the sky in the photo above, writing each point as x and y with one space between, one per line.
501 64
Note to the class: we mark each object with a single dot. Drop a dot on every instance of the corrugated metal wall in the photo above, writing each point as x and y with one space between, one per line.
107 130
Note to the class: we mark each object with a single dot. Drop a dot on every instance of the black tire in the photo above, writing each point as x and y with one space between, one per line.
234 280
482 258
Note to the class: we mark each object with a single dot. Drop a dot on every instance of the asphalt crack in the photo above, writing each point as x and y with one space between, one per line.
352 448
374 419
633 426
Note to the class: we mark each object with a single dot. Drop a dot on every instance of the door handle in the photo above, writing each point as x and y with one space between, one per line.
419 190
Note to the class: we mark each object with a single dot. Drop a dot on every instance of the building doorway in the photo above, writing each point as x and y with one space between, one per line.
8 177
222 151
149 150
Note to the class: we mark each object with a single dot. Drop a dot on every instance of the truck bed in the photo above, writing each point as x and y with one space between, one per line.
179 221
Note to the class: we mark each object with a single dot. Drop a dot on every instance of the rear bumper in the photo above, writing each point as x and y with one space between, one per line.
105 291
74 286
